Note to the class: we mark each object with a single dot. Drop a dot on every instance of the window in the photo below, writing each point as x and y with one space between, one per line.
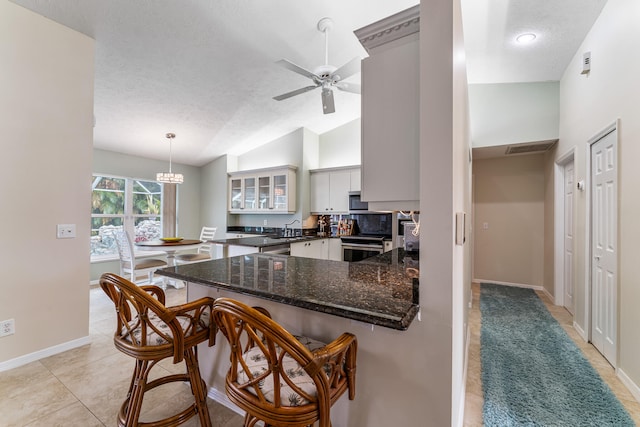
123 202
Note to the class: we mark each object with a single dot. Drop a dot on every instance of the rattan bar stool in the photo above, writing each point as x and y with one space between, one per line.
278 378
149 331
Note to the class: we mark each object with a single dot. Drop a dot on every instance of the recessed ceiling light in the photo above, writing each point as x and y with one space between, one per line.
526 38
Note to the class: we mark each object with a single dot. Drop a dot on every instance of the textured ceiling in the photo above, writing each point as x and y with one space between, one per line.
491 27
205 69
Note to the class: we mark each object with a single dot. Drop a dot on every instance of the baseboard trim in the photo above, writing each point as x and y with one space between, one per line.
580 331
518 285
628 382
41 354
463 391
221 398
551 297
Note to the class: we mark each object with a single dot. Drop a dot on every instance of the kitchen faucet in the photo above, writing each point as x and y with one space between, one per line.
286 227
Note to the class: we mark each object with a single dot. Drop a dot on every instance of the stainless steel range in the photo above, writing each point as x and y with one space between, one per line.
372 230
357 248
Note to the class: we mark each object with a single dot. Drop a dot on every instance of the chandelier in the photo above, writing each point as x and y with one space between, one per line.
170 177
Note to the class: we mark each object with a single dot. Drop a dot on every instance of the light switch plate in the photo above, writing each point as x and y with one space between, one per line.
66 231
460 228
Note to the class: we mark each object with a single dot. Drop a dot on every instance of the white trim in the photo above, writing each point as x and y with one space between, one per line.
548 294
558 218
221 398
41 354
628 382
580 331
517 285
463 392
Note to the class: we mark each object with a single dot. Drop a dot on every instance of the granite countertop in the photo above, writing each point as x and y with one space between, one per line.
381 290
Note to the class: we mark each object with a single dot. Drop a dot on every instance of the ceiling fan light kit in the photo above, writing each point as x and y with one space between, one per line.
324 76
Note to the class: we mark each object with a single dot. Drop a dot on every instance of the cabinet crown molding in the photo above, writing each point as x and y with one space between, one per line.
261 170
388 29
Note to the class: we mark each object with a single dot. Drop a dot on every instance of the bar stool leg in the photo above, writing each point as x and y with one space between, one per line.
198 386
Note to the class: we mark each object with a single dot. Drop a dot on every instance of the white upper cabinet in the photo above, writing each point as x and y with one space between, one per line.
263 191
390 111
330 189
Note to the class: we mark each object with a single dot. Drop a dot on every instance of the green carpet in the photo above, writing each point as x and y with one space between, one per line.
533 374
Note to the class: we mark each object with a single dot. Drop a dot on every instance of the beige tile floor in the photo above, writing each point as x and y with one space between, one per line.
85 386
474 400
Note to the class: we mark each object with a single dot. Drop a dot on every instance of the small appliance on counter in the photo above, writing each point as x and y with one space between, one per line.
411 237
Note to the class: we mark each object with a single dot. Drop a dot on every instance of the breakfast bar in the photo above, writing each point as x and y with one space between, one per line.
375 299
381 290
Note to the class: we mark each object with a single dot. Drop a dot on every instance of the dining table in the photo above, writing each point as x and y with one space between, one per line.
169 246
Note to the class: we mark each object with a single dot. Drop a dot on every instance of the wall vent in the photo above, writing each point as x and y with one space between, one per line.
529 148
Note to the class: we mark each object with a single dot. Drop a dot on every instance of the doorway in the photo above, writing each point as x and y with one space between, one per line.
603 241
564 230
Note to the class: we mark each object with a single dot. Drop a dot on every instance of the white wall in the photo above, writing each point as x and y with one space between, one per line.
45 173
588 104
510 113
213 196
189 192
341 146
444 190
510 199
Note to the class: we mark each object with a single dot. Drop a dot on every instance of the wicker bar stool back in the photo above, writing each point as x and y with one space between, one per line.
149 331
278 378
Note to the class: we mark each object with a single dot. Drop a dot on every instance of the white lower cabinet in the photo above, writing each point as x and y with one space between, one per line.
233 250
335 249
318 249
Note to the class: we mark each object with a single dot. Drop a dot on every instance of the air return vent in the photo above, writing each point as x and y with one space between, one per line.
529 148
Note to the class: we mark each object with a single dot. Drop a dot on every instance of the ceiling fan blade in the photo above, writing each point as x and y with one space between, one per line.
297 69
294 92
348 87
348 69
327 101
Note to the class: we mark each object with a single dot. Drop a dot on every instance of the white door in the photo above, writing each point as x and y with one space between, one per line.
604 252
568 235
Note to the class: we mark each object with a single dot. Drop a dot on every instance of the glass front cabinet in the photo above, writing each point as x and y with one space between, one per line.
271 190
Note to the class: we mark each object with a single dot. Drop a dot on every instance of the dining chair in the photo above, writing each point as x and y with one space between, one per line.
149 331
128 262
204 251
278 378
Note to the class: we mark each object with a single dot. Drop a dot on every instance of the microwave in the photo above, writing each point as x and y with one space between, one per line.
355 204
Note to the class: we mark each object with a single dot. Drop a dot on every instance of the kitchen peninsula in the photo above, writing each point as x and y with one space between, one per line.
381 290
376 299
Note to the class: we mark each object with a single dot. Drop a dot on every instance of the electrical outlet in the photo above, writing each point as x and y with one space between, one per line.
7 327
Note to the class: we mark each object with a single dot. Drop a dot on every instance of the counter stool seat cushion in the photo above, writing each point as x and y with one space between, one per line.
258 364
158 332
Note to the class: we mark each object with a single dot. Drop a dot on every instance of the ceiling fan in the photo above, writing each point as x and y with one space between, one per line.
324 76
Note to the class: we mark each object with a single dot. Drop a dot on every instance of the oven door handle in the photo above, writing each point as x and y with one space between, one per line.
361 245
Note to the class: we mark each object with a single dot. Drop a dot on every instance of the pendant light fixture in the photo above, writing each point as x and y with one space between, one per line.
170 177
